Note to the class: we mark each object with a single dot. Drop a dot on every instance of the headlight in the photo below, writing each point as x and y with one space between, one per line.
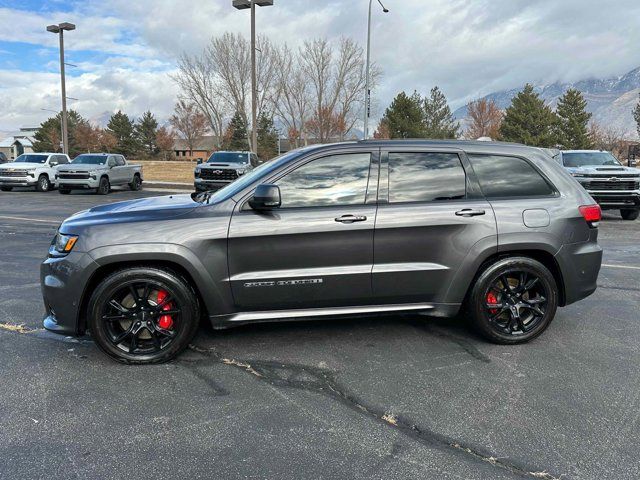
31 172
241 171
93 174
197 173
63 244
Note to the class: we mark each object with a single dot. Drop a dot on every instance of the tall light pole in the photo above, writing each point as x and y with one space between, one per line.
242 5
59 29
367 88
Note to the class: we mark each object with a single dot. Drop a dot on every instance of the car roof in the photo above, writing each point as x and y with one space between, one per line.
584 151
232 151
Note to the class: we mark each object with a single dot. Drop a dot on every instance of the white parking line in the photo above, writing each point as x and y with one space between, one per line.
621 266
27 219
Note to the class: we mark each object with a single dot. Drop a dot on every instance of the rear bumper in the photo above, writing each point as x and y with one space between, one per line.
580 265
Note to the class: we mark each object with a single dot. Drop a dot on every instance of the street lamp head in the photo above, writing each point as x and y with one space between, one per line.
67 26
244 4
53 29
384 9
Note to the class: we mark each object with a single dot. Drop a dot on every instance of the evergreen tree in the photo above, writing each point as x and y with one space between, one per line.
636 116
267 138
235 137
438 119
403 118
49 136
529 121
146 131
573 121
123 129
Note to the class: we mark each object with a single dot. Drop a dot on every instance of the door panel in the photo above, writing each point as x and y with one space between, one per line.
435 218
317 249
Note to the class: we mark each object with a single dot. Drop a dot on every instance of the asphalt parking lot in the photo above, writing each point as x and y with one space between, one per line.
382 397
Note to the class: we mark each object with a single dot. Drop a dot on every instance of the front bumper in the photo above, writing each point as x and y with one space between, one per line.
18 181
77 183
580 265
63 281
617 199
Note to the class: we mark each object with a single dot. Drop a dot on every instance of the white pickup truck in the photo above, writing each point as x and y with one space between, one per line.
99 172
31 170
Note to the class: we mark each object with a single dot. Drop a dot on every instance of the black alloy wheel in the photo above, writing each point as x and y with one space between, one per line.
143 315
514 300
136 183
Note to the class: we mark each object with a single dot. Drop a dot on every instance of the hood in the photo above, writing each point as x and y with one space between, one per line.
80 167
602 170
144 209
20 166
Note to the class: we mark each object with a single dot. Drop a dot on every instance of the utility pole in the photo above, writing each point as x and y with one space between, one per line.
242 5
367 88
59 29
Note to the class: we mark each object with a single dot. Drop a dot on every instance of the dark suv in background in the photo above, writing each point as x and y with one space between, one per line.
500 231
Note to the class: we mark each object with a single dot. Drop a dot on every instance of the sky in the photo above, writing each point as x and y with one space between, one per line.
124 51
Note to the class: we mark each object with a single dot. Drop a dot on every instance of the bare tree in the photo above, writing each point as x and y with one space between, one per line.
201 85
485 119
611 139
189 122
165 139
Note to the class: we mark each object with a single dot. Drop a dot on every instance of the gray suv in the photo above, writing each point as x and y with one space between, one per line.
499 231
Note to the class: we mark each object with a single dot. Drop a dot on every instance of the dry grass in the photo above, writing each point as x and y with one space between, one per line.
12 327
157 170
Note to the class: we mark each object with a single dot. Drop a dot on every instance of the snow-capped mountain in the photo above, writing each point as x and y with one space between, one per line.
610 100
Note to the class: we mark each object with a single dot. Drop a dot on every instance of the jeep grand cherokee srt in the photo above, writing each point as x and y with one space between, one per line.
501 231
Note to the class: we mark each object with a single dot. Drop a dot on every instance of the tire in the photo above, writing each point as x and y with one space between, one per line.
103 186
43 185
64 191
136 183
518 314
6 189
630 214
139 339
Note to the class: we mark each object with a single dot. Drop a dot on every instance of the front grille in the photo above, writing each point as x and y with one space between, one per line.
607 185
73 176
223 175
15 173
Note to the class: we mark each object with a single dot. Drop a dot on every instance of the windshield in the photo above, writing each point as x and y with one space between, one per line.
29 158
90 160
262 171
229 157
589 159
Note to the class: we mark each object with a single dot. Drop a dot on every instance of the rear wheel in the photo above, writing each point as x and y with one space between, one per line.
136 183
43 185
103 186
513 300
143 315
630 214
6 189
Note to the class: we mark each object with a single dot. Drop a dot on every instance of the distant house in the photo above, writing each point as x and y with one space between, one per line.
202 150
18 143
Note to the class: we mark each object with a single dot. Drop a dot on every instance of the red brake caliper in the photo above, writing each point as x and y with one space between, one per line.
165 321
492 300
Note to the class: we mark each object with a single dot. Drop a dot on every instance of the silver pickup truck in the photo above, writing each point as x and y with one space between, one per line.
99 172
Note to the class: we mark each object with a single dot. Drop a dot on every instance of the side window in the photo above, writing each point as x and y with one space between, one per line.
328 181
111 162
508 177
120 160
62 160
254 160
425 177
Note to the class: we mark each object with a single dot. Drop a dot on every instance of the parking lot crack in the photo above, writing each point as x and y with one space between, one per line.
322 381
18 328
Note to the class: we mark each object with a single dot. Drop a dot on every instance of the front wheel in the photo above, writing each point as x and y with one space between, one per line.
513 300
143 315
630 214
103 186
44 185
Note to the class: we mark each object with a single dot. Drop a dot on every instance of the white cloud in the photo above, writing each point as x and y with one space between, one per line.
467 47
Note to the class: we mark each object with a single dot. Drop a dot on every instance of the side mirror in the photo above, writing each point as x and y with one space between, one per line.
53 163
266 197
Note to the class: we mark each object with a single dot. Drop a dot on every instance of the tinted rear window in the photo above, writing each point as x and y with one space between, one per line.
508 177
425 177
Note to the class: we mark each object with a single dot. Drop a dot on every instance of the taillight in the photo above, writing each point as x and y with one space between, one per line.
591 213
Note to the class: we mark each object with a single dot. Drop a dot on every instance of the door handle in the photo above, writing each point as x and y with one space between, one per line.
469 212
351 218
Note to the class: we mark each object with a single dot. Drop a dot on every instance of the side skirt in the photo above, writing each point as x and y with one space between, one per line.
220 322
